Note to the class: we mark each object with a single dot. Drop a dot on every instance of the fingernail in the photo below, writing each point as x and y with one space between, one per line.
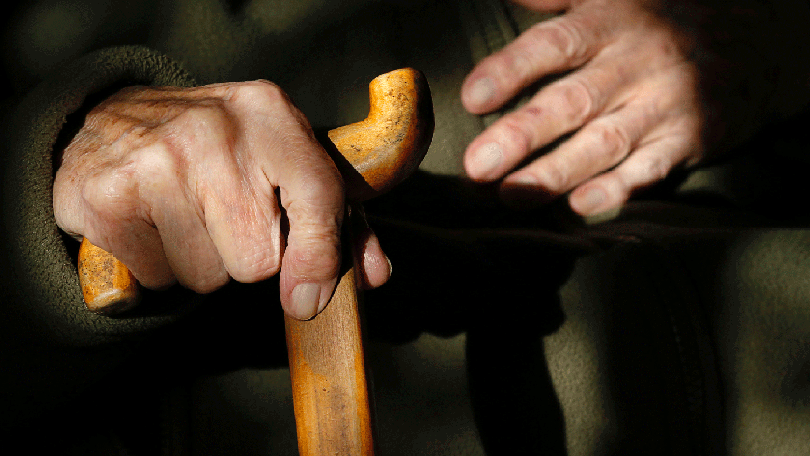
589 202
486 159
305 300
481 92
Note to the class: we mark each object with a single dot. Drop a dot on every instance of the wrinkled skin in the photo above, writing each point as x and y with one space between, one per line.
631 103
200 186
197 185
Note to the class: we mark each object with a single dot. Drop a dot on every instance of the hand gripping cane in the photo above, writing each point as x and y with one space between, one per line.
327 367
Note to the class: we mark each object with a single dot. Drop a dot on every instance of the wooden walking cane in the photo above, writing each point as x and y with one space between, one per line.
327 366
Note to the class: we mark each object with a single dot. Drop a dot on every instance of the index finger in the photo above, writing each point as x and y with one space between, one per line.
550 47
311 192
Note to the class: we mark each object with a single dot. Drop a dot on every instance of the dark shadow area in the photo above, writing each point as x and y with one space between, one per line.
516 407
462 264
660 366
488 271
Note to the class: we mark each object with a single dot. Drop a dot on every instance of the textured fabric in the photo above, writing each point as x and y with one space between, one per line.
518 333
44 273
50 338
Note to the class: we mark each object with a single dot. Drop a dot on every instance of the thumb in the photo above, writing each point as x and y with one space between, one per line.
312 195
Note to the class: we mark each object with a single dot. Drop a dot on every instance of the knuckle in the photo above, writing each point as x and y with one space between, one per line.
124 188
256 90
269 105
259 94
516 133
157 164
614 141
200 120
654 169
318 192
256 264
204 132
266 89
110 193
563 35
553 177
576 97
208 283
315 223
517 63
316 257
132 190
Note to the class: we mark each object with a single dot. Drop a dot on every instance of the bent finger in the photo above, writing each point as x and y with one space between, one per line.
648 165
114 221
189 250
373 264
310 191
313 197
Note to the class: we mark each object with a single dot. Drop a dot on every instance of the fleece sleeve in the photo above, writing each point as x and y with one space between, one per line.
42 289
51 347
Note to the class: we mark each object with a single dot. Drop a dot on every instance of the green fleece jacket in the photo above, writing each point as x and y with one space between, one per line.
634 318
62 58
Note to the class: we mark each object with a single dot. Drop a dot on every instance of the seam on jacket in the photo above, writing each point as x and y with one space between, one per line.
496 24
496 29
698 369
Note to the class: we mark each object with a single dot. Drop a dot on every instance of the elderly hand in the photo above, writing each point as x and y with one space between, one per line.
202 185
630 105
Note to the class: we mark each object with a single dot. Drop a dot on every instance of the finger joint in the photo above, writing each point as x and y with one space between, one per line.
516 134
576 100
614 140
564 37
553 177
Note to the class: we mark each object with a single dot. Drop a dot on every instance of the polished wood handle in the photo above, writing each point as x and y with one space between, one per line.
107 285
331 397
330 391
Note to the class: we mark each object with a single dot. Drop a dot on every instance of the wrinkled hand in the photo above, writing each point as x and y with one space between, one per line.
202 185
630 104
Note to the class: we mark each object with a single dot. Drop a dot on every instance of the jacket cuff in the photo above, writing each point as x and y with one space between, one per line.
43 288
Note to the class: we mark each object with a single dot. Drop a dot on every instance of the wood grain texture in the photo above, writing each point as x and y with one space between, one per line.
391 142
327 369
327 363
107 285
